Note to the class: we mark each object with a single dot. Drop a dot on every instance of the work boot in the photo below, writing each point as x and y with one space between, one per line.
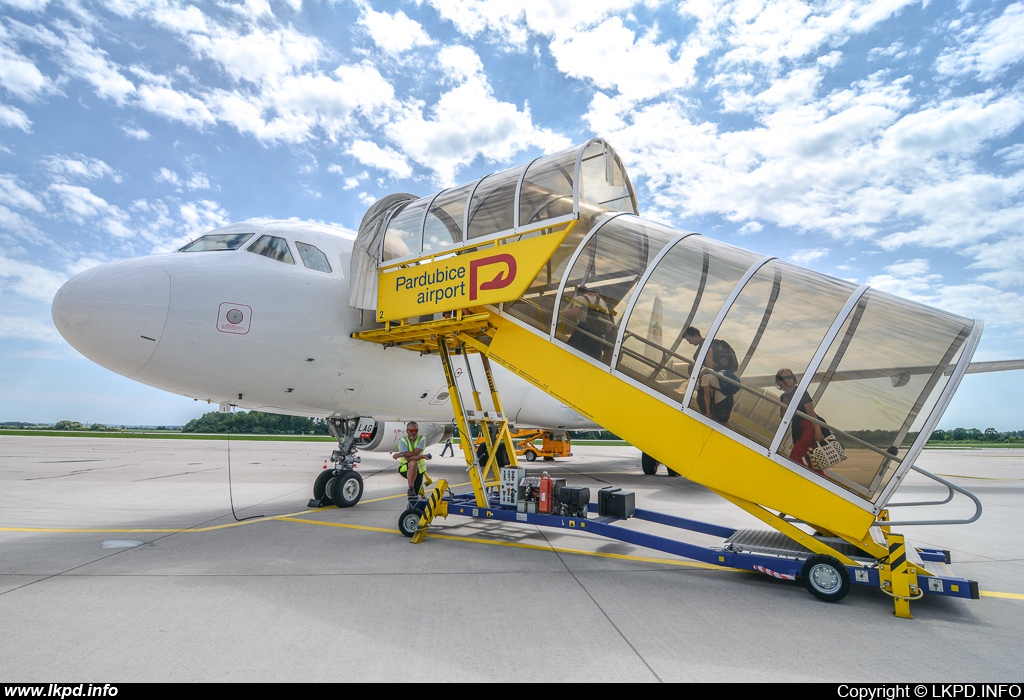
412 493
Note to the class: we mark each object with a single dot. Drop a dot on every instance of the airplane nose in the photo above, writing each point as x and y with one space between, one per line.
114 314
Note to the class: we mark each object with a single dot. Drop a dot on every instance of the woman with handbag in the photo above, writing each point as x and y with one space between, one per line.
805 433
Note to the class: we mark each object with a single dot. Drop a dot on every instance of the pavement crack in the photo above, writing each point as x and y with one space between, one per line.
604 612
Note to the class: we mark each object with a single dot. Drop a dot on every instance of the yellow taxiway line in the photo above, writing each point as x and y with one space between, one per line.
293 518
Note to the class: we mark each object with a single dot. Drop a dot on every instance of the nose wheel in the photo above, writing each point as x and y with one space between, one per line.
345 489
340 487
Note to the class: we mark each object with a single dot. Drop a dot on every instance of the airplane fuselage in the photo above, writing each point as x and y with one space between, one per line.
259 333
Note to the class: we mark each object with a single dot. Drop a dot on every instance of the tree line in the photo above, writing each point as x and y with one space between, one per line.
259 423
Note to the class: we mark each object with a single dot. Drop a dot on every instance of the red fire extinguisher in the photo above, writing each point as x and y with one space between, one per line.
547 487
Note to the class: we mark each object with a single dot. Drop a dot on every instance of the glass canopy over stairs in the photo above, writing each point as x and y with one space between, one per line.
551 272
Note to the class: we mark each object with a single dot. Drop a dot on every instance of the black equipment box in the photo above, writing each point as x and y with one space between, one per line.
573 501
616 503
574 496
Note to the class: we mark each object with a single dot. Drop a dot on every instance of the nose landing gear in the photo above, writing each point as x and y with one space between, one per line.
341 485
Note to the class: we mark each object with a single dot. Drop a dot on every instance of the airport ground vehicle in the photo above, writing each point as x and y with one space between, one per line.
548 272
553 443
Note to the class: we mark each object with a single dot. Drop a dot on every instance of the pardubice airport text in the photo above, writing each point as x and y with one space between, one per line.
426 282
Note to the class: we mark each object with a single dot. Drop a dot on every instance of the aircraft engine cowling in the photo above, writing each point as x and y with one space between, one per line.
386 434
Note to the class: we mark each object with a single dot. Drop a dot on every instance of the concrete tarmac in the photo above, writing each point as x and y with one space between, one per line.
120 561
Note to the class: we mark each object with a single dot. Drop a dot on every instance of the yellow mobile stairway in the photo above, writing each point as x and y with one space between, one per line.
548 270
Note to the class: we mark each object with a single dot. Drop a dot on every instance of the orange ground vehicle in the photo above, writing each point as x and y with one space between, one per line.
554 443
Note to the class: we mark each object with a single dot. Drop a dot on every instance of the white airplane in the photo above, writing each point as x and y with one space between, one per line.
256 315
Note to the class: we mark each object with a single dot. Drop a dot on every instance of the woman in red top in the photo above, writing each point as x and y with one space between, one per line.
805 432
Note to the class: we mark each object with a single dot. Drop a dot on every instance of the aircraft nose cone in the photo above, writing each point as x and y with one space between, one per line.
114 314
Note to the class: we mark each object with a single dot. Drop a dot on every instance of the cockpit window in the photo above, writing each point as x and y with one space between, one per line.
273 247
217 241
313 257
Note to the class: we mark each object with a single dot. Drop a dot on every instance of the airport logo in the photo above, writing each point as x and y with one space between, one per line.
506 274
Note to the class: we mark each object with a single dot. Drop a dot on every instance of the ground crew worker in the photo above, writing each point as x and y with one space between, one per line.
411 446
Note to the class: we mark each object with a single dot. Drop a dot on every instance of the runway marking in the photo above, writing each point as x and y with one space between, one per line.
997 594
292 518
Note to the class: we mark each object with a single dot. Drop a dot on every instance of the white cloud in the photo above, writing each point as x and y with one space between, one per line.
394 33
806 257
913 279
304 102
175 104
514 22
771 33
28 5
137 133
1005 259
21 226
80 166
251 9
353 182
19 76
387 159
858 162
81 204
28 328
29 280
169 176
199 218
259 56
998 308
178 18
466 122
990 51
336 169
14 117
195 181
613 57
956 125
918 267
91 63
12 194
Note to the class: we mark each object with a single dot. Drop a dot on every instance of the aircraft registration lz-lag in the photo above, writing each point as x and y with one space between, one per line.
274 315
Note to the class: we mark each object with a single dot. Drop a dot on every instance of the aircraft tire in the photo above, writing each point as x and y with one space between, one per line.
530 455
826 578
649 464
409 521
347 489
320 487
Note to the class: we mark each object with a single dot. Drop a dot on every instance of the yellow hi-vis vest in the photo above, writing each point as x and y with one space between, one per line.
406 445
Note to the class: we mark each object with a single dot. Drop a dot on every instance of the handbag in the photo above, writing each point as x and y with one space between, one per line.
827 453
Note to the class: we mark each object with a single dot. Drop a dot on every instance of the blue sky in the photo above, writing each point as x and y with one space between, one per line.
877 141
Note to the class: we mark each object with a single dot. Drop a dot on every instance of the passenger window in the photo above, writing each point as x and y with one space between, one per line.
313 257
273 247
217 241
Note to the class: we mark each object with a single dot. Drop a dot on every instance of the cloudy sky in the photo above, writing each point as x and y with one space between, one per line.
877 141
